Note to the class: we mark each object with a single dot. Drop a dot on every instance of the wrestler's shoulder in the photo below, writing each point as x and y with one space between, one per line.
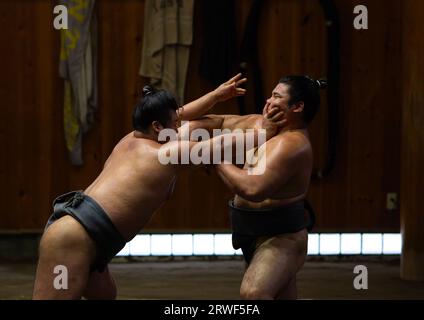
130 144
295 137
290 142
148 147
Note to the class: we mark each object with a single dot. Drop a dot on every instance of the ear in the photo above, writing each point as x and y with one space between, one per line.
298 107
157 127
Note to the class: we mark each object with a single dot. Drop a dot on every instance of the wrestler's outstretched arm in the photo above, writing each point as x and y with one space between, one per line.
211 122
281 164
186 152
179 151
232 122
201 106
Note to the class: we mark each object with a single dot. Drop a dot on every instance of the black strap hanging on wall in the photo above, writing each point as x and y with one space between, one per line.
333 79
249 58
219 40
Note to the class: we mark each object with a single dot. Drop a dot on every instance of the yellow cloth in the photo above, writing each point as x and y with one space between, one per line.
78 69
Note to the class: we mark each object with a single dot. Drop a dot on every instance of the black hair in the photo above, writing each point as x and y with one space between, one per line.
155 105
306 89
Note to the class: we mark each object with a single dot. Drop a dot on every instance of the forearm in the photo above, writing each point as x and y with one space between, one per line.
231 122
212 122
225 147
208 122
227 183
225 91
238 181
199 107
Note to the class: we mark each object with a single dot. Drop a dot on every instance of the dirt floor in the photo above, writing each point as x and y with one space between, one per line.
220 279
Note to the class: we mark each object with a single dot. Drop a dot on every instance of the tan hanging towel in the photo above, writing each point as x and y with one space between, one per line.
168 35
78 68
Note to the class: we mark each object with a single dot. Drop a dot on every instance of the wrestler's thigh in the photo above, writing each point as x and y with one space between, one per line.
100 286
276 262
65 252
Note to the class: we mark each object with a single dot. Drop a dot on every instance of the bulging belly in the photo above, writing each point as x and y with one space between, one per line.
129 212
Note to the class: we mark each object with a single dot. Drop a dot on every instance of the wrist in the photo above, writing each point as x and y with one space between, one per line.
270 128
214 97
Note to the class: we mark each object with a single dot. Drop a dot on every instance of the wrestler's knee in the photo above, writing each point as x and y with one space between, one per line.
101 286
111 293
103 293
254 293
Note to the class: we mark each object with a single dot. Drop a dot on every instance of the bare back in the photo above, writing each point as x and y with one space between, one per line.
133 184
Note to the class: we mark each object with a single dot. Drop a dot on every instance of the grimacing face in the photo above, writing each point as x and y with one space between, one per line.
280 98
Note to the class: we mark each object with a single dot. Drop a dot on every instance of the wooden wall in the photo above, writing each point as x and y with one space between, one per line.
33 163
412 164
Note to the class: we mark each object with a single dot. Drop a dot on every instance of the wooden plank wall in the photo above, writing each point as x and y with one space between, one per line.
412 164
33 164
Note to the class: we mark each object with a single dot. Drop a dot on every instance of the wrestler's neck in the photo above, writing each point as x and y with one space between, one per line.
294 125
150 135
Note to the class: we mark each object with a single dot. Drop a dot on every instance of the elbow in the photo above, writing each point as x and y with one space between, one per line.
253 193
